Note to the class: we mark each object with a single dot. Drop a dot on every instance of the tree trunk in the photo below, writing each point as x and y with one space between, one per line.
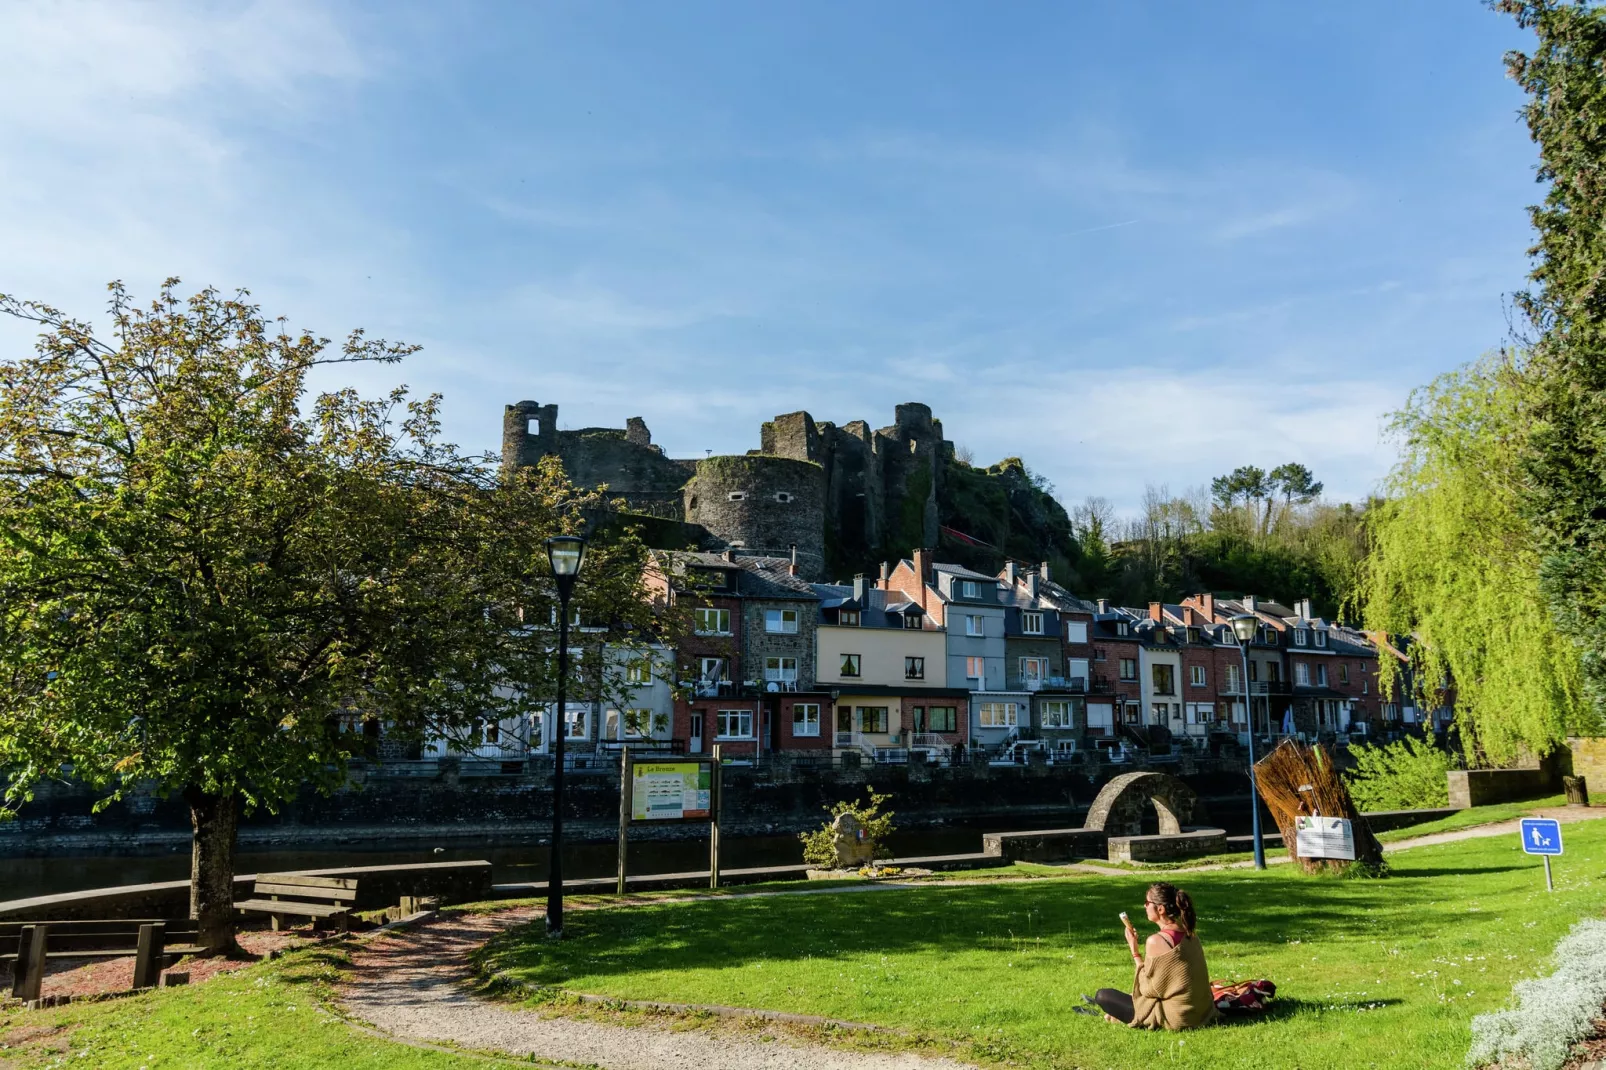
213 819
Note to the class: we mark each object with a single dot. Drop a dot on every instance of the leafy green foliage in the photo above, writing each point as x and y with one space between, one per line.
1405 775
819 846
1565 437
1455 565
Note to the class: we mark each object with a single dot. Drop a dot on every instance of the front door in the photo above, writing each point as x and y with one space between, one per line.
696 744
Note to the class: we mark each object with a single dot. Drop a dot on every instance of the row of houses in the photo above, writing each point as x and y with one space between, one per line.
936 658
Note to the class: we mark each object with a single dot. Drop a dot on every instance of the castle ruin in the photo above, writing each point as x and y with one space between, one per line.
838 497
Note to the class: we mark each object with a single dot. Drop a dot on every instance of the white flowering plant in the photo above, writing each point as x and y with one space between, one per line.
1552 1013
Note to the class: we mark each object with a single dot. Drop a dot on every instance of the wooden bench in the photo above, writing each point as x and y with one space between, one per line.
280 895
29 946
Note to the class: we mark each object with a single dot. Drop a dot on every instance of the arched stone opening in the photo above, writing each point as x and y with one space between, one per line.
1131 801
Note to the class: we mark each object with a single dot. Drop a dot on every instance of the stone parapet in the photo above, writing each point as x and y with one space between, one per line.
1165 848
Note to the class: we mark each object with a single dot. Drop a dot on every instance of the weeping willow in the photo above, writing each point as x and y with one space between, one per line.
1453 564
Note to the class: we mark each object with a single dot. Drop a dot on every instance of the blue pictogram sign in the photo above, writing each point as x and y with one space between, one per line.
1541 836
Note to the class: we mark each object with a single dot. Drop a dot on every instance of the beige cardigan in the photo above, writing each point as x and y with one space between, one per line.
1172 990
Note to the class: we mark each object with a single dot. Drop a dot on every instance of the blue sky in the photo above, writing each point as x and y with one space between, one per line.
1136 243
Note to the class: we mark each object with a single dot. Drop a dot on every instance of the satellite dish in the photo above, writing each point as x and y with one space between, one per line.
772 686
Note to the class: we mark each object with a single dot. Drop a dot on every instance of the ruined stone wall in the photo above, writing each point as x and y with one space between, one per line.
763 503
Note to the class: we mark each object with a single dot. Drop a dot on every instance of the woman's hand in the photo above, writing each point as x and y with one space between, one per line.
1132 942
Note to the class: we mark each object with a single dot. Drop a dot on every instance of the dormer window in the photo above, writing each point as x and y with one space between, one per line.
1120 627
848 618
914 622
969 589
1031 623
1301 637
736 496
1193 635
1321 638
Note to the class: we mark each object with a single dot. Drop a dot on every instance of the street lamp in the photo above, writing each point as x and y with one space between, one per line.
566 554
1244 627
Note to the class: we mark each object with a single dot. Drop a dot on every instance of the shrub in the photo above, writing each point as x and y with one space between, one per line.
819 846
1407 775
1553 1013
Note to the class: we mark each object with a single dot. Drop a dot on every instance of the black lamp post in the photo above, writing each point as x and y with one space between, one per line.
566 553
1244 627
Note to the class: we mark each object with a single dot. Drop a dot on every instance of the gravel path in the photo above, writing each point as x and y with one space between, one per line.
412 986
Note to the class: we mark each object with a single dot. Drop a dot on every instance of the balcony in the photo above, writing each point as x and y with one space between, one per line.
1076 685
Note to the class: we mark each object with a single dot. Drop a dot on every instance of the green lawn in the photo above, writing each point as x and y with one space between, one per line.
1478 815
1372 973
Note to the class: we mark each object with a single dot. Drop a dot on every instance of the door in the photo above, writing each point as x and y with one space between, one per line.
695 746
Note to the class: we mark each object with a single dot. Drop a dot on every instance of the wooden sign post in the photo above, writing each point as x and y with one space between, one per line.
624 812
716 786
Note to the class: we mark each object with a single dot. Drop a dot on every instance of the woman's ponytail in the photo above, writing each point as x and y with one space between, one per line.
1175 904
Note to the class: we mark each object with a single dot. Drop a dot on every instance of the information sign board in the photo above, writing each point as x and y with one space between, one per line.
1541 836
671 791
1324 837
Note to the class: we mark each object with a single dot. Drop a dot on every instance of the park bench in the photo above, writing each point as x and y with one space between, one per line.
281 895
30 945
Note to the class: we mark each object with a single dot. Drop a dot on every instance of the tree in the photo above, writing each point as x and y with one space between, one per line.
1454 564
1565 443
206 586
1296 483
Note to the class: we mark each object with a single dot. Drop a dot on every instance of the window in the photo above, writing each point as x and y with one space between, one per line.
574 724
532 426
1254 671
1301 637
1033 669
1193 635
996 715
638 673
1233 681
1274 671
1120 627
850 665
737 496
940 719
734 724
1165 679
914 621
711 670
1057 715
1100 654
1343 673
1321 639
873 719
636 724
914 668
1321 675
844 719
806 719
780 670
968 589
1101 717
780 621
975 668
1129 668
974 626
783 496
1131 713
1075 631
1196 675
1160 713
848 618
1302 674
1031 623
712 621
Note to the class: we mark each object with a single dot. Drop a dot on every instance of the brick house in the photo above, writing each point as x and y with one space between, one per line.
1116 693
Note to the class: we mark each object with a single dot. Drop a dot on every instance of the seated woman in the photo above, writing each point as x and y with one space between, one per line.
1172 986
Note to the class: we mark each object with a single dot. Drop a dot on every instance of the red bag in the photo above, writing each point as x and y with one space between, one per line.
1242 997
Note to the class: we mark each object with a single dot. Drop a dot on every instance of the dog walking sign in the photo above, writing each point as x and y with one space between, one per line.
1542 836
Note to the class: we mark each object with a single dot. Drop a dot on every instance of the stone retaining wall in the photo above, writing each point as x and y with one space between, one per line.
1166 848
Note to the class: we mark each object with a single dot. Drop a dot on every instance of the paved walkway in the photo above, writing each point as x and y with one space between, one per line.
413 985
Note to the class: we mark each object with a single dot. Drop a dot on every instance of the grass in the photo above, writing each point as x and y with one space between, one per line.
271 1016
1371 973
1478 815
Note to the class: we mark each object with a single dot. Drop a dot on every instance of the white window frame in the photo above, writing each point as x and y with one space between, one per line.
781 670
722 666
1034 668
1301 674
997 715
1196 676
703 616
805 725
1058 713
975 625
638 673
575 724
1121 669
1076 631
1031 622
848 618
722 724
1321 638
776 621
1101 715
968 589
1321 676
1234 679
1343 672
975 668
1301 637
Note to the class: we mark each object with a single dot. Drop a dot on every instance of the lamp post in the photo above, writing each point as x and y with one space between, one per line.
566 554
1244 626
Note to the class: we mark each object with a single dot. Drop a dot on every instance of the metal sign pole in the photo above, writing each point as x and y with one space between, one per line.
624 811
716 789
1549 884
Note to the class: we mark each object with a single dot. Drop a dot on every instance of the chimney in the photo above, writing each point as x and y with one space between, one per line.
1010 573
791 569
730 555
1249 604
861 586
1031 584
886 573
1302 609
1207 606
1156 614
922 563
1104 605
1188 617
1042 570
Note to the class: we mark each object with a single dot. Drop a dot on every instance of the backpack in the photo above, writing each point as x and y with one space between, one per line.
1242 998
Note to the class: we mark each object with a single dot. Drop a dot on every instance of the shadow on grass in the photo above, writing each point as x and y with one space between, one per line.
1286 1007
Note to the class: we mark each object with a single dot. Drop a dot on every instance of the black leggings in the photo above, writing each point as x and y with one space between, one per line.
1117 1005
